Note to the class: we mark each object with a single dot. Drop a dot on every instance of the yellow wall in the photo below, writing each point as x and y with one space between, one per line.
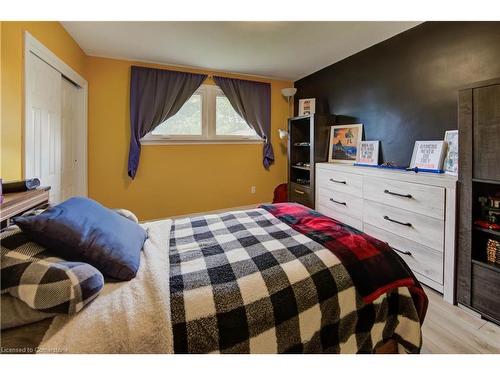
172 179
54 37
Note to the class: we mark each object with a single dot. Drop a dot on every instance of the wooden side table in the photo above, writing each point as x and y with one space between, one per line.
15 204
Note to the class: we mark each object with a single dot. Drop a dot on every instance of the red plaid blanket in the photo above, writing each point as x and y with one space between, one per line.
374 267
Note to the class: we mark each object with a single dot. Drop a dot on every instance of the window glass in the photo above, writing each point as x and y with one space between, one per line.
228 122
185 122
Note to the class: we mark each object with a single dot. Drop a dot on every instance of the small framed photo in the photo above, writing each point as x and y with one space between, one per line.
307 106
428 155
450 165
344 143
367 153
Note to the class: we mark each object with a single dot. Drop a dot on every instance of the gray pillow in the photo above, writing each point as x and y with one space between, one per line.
44 282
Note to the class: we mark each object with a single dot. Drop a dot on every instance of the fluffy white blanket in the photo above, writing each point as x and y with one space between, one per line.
127 317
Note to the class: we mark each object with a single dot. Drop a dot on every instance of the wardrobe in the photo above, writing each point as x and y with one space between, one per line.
478 268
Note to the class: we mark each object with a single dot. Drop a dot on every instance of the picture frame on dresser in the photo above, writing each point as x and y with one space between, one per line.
368 152
428 155
344 142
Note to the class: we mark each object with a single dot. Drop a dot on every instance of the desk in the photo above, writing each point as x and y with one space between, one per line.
15 204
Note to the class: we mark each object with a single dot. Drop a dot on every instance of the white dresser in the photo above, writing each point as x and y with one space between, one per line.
413 212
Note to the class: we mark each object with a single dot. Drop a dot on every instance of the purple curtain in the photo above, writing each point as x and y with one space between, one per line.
155 96
252 101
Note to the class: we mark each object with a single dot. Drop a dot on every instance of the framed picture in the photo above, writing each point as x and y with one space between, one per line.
450 165
428 155
367 153
307 106
344 142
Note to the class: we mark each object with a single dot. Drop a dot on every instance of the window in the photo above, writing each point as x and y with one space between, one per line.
206 117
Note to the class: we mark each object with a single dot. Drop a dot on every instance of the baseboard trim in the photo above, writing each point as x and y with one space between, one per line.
469 311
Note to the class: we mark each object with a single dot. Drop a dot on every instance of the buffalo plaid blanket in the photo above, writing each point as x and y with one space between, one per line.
373 266
247 282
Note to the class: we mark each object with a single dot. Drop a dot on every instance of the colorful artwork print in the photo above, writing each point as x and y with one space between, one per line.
344 141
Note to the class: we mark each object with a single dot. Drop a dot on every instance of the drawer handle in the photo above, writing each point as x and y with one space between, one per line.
402 251
334 201
338 181
399 195
397 222
299 192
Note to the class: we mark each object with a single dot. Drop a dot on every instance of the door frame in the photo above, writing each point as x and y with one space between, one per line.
32 45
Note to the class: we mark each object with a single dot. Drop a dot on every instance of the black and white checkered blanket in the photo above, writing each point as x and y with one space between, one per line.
245 282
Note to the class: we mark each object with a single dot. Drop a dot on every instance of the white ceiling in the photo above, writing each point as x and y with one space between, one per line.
286 50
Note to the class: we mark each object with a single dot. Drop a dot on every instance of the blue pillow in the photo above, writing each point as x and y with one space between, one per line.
83 230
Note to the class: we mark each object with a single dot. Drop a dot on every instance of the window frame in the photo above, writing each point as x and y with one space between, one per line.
209 94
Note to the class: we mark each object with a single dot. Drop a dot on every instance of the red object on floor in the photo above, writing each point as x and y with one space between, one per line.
281 194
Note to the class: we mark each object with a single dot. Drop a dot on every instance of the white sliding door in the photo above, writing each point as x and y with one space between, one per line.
43 148
55 127
69 126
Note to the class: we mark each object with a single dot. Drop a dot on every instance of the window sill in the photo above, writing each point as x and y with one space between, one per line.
169 141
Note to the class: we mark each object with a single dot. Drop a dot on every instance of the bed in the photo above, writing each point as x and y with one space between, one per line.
276 279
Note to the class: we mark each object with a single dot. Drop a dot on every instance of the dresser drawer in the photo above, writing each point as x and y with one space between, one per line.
421 259
423 199
349 183
342 203
419 228
355 223
301 194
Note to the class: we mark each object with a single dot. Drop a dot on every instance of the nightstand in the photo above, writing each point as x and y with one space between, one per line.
15 204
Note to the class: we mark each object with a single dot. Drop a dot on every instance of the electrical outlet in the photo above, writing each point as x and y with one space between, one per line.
252 190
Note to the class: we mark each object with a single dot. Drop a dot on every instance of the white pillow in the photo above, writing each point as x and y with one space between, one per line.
126 213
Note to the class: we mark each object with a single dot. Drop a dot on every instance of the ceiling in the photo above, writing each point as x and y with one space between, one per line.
285 50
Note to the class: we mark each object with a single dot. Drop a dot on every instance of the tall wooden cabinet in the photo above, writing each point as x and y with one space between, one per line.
478 281
307 145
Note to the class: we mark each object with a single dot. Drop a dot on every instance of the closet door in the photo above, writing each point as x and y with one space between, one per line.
69 135
43 135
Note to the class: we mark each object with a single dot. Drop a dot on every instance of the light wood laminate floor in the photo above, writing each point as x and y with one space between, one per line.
450 329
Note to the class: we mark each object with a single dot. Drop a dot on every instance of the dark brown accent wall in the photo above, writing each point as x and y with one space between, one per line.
405 88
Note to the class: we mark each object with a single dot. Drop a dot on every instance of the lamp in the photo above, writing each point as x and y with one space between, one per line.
288 93
283 133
